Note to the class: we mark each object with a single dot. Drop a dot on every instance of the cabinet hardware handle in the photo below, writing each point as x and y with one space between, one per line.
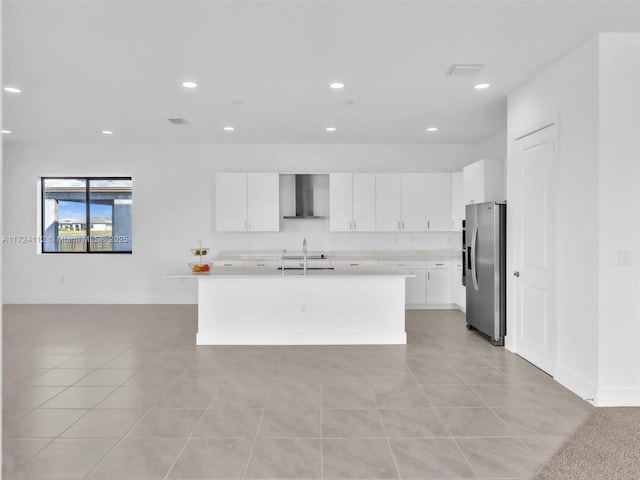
260 265
403 224
354 264
428 275
354 225
428 225
439 264
228 264
516 273
351 225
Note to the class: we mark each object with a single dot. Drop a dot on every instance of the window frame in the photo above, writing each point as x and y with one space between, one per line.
87 181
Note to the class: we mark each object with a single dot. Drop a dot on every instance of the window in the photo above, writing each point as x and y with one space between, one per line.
86 215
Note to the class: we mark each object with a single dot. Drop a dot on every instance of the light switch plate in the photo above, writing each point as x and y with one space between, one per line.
623 257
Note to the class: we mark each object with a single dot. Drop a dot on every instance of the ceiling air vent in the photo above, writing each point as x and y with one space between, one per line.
464 68
178 121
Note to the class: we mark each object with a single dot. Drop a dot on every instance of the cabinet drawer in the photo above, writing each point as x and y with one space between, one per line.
228 263
353 263
439 264
260 263
408 264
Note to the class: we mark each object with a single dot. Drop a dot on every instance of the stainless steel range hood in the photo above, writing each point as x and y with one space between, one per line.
304 197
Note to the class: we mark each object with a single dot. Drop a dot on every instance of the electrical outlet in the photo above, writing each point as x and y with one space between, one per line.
623 257
303 308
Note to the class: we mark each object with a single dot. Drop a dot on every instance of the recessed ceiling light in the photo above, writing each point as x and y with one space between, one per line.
337 85
107 132
12 90
331 129
189 84
432 129
7 131
229 129
481 86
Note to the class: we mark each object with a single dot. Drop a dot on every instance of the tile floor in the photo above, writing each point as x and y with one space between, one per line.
106 392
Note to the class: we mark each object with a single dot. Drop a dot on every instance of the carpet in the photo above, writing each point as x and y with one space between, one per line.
605 447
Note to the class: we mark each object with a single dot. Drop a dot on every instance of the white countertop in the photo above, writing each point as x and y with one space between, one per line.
270 272
348 255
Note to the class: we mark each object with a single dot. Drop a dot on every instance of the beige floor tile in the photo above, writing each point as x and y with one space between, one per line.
17 451
291 396
212 458
347 396
284 458
357 458
473 422
139 458
351 423
482 375
452 396
167 423
28 397
79 397
228 423
44 423
413 423
238 396
149 375
187 396
429 458
87 361
113 377
436 376
104 423
65 459
400 397
60 377
543 447
291 423
499 457
543 420
134 397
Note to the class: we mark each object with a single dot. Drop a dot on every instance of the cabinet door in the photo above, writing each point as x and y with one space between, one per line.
388 202
340 202
457 201
231 202
263 202
413 202
364 202
438 201
473 179
439 285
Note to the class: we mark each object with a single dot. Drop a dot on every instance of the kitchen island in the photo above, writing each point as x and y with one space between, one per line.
263 306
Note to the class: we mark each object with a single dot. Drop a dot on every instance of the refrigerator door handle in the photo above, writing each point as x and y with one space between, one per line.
474 246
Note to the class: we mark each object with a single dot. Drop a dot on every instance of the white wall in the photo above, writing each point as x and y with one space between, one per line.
619 183
173 207
1 246
591 96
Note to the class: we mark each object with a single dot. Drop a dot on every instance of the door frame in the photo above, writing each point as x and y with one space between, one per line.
512 235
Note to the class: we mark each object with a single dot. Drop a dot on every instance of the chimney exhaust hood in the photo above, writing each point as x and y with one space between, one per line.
304 197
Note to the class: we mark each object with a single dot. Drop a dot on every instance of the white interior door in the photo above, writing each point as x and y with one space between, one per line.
532 213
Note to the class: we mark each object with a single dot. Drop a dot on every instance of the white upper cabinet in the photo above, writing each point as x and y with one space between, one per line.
414 206
352 202
457 201
438 187
263 202
484 181
400 202
388 202
247 202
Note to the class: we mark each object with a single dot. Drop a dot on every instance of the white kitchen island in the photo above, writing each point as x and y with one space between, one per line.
259 306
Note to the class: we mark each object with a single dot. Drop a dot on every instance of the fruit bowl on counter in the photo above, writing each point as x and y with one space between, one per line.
200 267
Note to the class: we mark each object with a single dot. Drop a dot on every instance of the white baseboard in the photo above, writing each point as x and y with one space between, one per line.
612 397
576 384
432 306
99 299
308 338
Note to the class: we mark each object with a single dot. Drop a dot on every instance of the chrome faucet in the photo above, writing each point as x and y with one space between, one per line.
284 253
304 254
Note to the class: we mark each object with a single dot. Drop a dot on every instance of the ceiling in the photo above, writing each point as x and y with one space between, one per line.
264 67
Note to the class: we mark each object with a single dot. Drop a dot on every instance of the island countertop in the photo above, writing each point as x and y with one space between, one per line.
255 272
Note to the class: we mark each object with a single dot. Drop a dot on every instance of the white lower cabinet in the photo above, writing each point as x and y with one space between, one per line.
439 282
415 287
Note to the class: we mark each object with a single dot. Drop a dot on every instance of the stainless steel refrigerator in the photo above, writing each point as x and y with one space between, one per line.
484 254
